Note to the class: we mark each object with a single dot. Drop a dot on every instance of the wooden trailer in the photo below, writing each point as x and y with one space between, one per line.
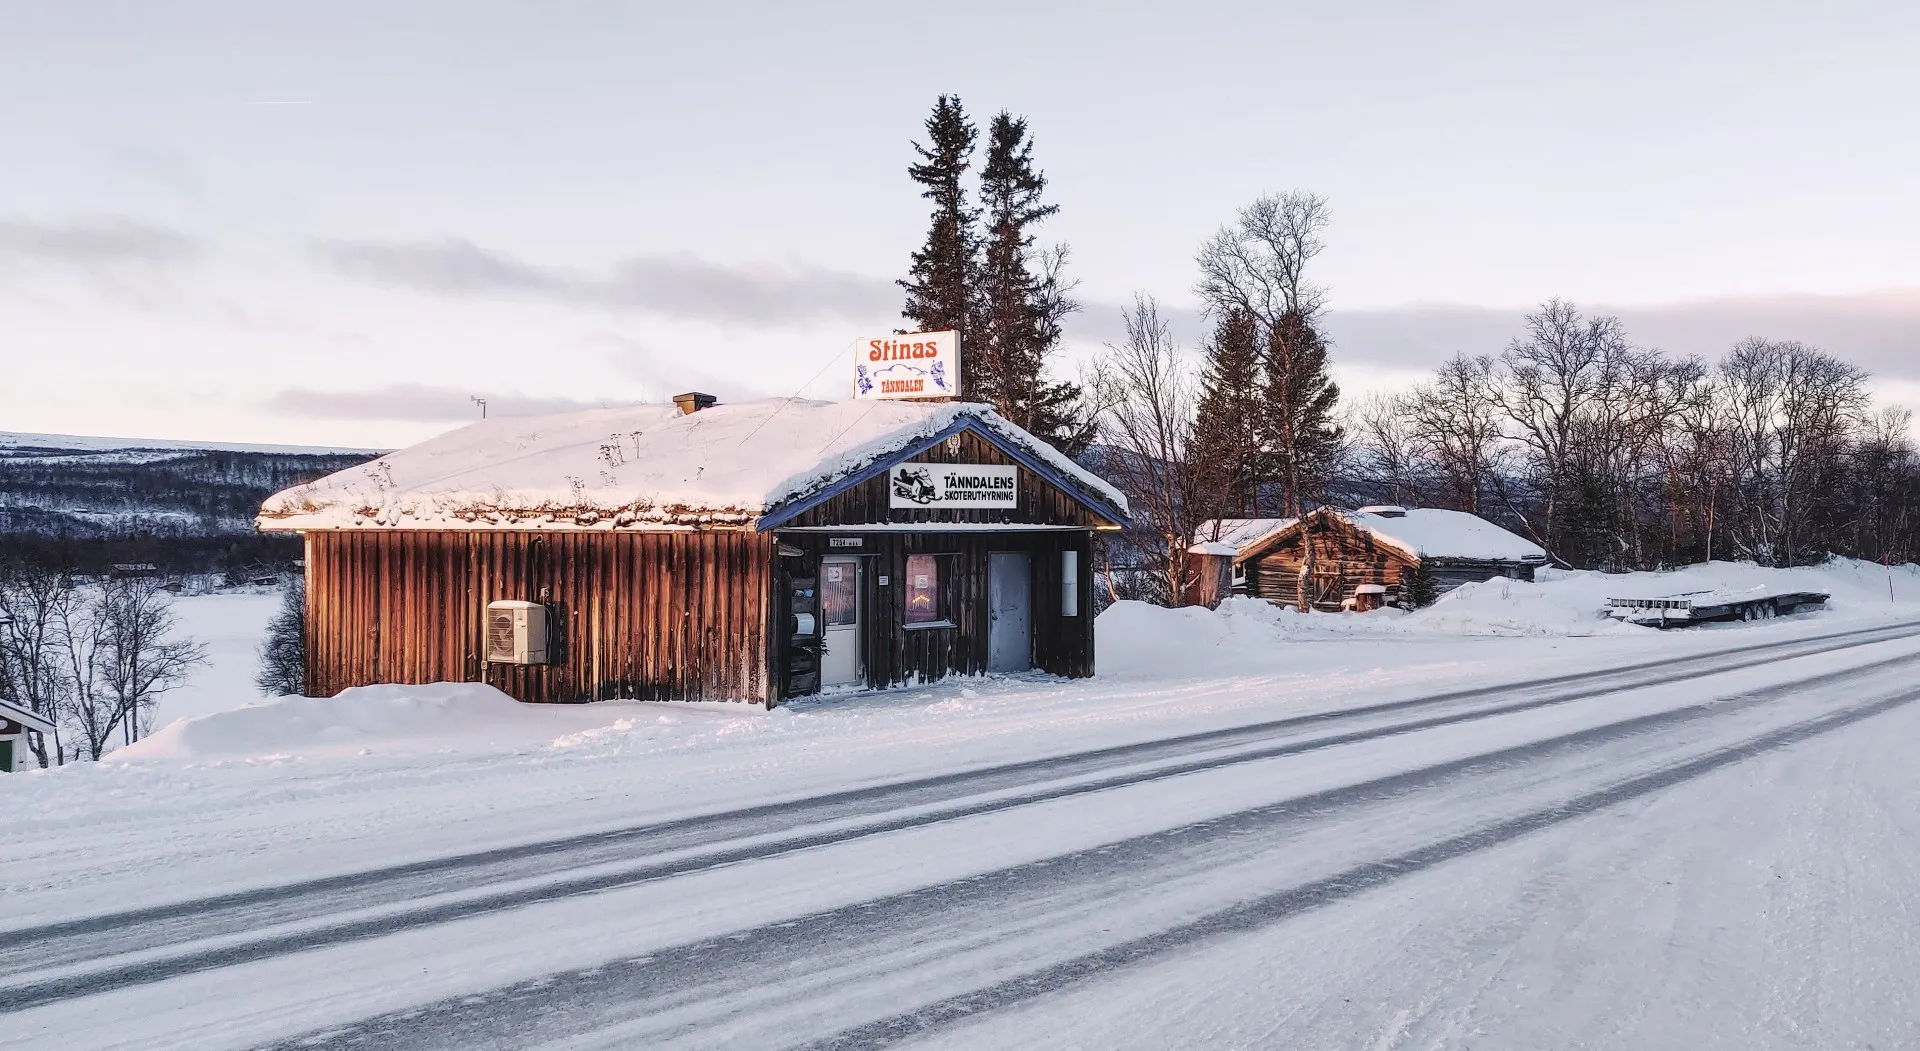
754 552
1411 556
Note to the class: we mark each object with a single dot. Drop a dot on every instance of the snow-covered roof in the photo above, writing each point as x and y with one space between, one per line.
1214 547
1434 532
640 466
1237 532
1424 532
11 712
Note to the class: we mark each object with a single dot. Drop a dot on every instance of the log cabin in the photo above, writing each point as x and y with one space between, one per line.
1380 555
701 551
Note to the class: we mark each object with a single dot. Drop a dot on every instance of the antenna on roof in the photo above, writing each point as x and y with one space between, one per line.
791 397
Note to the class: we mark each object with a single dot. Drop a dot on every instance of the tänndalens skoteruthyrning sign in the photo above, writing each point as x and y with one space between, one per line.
953 485
915 365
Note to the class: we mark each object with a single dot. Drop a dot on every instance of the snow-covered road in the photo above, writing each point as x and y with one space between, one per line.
1527 864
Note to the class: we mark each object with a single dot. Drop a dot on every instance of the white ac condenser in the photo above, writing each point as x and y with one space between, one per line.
516 632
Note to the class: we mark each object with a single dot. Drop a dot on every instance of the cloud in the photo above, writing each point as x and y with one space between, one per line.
415 402
1879 331
677 285
94 242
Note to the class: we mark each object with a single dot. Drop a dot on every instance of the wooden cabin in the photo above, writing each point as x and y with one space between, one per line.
16 722
1365 559
755 551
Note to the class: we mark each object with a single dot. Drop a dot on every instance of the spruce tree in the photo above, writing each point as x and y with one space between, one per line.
1300 399
939 283
283 656
1229 433
1022 296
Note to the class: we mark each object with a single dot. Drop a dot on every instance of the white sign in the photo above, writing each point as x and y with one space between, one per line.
953 485
916 365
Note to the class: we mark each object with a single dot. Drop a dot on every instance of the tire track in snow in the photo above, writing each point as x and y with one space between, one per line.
767 830
607 996
1273 908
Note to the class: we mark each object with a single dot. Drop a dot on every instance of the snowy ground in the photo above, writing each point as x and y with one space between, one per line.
231 627
1501 822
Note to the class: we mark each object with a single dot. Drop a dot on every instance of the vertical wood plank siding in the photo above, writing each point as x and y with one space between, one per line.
1346 557
896 655
654 616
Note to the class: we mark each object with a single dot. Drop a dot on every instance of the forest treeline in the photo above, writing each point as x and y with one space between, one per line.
187 511
1609 454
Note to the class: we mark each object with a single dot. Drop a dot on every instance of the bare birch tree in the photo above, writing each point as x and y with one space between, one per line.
138 656
1148 399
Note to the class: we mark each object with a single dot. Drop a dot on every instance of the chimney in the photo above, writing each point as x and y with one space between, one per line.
693 401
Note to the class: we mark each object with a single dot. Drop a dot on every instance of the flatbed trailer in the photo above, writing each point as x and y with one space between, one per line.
1695 607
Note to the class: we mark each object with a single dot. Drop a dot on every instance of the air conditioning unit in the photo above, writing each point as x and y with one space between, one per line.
516 632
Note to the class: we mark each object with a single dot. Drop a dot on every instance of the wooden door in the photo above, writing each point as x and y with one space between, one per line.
840 616
1009 598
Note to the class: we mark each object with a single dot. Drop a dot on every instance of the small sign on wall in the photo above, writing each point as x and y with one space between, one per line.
953 485
844 541
914 365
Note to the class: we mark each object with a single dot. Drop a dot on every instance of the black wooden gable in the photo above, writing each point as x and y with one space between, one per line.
1048 495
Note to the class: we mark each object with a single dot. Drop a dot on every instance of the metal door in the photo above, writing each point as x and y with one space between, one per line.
1010 634
840 616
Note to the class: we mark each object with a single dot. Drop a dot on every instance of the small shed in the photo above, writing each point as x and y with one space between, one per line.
1412 555
754 551
15 723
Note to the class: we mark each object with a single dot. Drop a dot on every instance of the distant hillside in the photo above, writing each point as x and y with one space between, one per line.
88 499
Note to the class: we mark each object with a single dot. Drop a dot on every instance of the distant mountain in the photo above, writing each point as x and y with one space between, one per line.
153 500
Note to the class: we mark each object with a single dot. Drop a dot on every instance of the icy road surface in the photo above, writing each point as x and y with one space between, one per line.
1715 847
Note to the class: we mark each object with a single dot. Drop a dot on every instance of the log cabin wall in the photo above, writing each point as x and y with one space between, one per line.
654 616
1344 558
1450 573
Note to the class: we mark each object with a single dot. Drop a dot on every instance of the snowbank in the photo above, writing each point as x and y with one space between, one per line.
438 717
1136 639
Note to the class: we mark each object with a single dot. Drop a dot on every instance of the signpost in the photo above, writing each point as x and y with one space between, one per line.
914 365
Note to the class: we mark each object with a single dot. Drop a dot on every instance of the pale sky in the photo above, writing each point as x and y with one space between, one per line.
332 223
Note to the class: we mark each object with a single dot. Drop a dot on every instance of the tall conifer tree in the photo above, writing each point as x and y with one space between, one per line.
1299 400
1229 434
1022 296
940 282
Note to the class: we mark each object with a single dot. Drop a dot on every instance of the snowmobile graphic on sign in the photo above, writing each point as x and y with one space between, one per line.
915 365
953 485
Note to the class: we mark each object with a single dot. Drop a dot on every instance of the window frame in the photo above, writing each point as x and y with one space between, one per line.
943 563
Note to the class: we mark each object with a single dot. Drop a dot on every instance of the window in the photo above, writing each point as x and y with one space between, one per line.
926 582
1069 583
839 594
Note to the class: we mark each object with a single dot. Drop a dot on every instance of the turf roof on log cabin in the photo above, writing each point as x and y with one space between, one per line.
752 465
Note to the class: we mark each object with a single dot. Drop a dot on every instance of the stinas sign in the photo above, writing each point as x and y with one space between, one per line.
916 365
953 485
